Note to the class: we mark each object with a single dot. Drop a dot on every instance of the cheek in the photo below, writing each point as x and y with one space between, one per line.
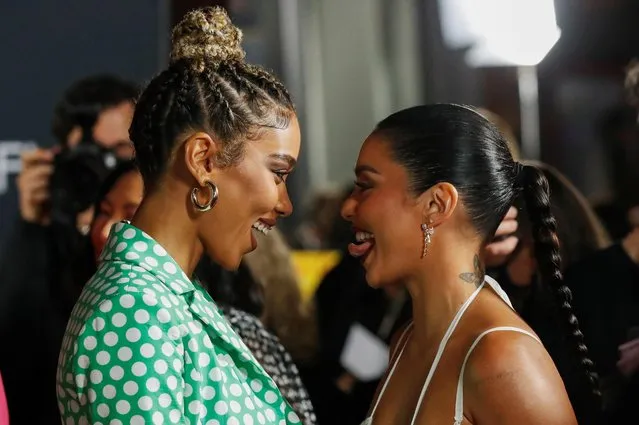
97 234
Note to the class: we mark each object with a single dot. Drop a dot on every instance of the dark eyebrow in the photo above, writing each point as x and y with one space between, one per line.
365 168
286 158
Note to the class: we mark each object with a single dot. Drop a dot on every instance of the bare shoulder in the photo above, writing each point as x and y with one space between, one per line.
510 378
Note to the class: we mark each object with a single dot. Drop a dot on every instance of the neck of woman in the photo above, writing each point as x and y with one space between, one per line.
443 286
165 220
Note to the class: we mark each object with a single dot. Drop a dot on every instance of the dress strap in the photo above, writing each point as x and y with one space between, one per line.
442 346
459 402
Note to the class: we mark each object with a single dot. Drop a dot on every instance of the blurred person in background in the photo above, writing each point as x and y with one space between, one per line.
314 232
57 188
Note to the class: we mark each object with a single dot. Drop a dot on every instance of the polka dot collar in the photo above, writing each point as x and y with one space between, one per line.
131 245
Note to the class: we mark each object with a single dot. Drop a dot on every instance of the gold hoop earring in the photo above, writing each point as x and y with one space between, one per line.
428 231
210 203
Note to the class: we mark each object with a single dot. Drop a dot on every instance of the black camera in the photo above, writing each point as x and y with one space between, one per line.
78 173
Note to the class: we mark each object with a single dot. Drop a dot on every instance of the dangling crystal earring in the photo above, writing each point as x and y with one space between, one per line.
428 230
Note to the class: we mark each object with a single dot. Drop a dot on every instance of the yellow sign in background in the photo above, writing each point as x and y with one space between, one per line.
311 267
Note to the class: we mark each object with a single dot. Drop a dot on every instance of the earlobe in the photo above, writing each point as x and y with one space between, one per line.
200 153
440 203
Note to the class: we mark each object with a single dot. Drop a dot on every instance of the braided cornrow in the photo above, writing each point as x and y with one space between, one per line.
544 227
208 87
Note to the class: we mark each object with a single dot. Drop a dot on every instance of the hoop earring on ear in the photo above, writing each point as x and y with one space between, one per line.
210 203
428 230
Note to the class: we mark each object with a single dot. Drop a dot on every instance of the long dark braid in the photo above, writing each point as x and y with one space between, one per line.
207 87
544 228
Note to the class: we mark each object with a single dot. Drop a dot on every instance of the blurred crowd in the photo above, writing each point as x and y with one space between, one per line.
72 194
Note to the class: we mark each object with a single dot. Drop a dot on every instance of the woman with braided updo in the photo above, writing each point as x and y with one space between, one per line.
215 139
433 183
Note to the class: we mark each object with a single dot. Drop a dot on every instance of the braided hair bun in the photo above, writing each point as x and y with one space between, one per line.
204 36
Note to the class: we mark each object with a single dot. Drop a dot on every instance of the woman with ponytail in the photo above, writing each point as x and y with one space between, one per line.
432 185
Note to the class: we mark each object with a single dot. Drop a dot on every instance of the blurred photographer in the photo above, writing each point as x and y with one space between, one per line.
57 188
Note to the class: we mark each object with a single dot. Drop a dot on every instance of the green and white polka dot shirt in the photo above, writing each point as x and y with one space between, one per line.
144 345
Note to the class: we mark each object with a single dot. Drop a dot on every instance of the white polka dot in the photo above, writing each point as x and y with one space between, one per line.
248 419
139 282
236 390
120 247
140 246
196 375
249 403
293 418
235 406
125 354
153 384
270 397
145 403
92 396
165 302
221 408
215 374
159 250
147 350
149 300
233 421
270 415
111 291
151 261
193 346
131 388
131 255
133 335
118 320
90 343
207 392
83 361
95 377
123 407
169 268
128 233
80 380
155 332
171 382
142 316
137 420
175 414
158 418
164 400
127 301
160 366
103 358
103 410
139 369
177 365
116 373
260 418
256 385
110 339
108 391
194 407
164 316
98 324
